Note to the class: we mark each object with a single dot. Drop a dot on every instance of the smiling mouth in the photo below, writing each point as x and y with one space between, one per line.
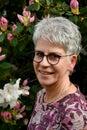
45 73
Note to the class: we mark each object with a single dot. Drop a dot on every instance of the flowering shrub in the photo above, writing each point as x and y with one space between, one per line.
10 105
17 20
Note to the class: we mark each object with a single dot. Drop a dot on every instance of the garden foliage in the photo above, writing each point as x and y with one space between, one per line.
17 20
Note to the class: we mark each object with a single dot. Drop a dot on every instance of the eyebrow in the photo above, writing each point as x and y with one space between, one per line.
50 52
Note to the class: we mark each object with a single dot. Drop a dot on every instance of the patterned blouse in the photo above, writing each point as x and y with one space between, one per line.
69 113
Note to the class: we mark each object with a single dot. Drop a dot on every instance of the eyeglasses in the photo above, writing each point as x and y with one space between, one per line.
52 58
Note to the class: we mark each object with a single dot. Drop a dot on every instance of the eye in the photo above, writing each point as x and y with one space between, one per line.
39 53
53 55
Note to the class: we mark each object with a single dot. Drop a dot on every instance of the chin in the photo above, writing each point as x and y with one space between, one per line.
45 84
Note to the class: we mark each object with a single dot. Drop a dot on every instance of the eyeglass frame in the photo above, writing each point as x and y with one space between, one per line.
47 57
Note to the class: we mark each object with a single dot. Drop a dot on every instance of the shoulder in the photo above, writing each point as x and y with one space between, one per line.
75 110
75 101
77 98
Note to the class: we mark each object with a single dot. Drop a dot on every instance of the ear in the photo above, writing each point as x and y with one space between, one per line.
73 60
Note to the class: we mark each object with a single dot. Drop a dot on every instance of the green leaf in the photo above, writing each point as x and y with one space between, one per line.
83 11
74 19
65 6
5 65
69 13
18 29
83 28
5 69
56 12
48 2
2 37
22 47
85 23
14 42
3 126
34 7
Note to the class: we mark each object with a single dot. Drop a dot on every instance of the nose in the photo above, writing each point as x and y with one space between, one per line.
44 62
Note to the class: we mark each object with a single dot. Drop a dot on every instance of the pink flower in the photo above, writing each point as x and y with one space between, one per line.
3 56
26 90
16 110
14 26
3 24
6 115
74 5
19 116
10 36
26 17
31 2
23 108
25 82
17 106
20 17
0 49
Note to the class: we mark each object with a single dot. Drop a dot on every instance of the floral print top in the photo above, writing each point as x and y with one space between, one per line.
69 113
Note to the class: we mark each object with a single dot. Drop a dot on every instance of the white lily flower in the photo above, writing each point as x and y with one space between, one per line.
16 85
2 99
4 105
12 103
12 93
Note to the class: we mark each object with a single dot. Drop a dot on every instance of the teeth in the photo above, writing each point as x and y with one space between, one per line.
42 72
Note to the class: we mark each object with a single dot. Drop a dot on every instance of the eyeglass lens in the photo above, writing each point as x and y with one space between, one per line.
52 58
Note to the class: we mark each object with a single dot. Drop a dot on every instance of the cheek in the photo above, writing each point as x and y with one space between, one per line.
62 68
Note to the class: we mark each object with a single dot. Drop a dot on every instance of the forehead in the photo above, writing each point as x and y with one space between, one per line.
46 46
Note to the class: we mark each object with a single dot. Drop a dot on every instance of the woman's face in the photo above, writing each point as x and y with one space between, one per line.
46 73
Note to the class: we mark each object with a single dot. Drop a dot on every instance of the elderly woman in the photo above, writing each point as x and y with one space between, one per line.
59 105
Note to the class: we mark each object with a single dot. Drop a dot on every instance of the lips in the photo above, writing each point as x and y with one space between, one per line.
45 72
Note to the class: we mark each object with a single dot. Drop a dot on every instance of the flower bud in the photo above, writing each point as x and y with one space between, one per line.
10 36
74 5
3 24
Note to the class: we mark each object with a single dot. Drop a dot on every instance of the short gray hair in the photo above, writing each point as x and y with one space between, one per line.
59 30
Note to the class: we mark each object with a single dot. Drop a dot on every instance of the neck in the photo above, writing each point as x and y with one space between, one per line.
57 92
